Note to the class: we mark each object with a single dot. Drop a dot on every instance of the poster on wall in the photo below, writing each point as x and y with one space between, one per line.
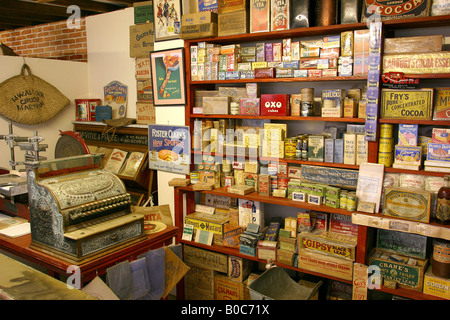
167 15
116 94
169 148
168 80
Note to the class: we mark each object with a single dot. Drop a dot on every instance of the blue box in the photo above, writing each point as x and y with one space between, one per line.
408 134
103 113
438 152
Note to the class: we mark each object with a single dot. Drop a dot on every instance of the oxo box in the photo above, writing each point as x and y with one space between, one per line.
275 105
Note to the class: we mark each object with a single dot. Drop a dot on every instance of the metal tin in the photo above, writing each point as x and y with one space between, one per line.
290 147
283 183
386 130
386 145
351 201
343 200
194 176
386 158
273 183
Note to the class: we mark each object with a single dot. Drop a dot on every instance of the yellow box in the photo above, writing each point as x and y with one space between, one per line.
227 289
411 204
233 23
436 286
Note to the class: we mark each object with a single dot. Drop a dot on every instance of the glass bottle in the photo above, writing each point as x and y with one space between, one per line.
443 202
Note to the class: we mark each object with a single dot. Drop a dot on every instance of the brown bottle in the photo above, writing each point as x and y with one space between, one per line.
440 261
443 202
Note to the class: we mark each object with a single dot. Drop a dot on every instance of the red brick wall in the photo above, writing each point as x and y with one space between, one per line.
51 41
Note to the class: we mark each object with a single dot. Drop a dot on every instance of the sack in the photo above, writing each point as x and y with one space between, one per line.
29 99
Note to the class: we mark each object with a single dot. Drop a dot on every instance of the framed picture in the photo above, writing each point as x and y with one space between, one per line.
168 77
167 17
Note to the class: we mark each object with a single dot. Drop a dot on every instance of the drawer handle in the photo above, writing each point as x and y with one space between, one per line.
113 237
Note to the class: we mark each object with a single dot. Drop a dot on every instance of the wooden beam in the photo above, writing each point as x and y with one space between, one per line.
34 8
86 5
13 13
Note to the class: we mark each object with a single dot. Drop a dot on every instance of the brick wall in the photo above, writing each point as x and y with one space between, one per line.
52 41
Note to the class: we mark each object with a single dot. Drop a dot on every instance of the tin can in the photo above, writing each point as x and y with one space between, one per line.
343 200
290 147
307 102
229 181
351 201
283 183
386 130
194 177
386 145
273 183
298 149
385 158
234 108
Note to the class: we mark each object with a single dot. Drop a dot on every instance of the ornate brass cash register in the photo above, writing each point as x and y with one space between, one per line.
79 211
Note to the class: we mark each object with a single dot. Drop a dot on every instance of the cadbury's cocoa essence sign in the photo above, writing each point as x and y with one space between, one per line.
397 10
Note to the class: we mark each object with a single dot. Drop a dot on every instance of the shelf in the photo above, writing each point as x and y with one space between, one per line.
379 221
421 172
289 80
254 196
235 252
288 118
293 161
421 122
420 22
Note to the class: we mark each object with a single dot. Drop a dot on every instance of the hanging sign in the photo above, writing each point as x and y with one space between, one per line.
169 148
116 94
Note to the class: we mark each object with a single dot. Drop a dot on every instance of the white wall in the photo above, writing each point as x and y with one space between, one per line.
69 77
109 59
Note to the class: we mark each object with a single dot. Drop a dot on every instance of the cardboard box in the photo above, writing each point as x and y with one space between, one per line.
329 243
441 104
145 113
199 31
143 12
417 63
321 263
227 289
231 235
239 268
275 105
200 279
436 286
216 105
405 275
412 104
141 40
191 19
432 43
233 23
279 15
407 204
205 259
232 5
260 16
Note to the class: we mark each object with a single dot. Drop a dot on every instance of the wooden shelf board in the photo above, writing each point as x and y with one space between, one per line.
289 118
235 252
254 196
289 80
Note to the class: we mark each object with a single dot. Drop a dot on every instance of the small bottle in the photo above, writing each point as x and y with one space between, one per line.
197 139
443 202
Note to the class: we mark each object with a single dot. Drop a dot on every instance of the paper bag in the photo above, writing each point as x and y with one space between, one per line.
175 270
157 213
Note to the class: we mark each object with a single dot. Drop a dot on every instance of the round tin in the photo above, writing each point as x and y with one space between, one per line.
386 130
283 183
351 201
385 158
290 147
194 176
386 145
343 200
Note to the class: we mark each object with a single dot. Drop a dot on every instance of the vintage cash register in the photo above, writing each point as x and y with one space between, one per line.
79 211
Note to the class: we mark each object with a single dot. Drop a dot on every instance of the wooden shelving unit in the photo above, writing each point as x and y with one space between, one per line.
186 195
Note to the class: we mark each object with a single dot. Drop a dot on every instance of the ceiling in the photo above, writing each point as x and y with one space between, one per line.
16 14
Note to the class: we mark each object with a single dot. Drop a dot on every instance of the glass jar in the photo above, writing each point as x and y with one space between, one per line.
443 202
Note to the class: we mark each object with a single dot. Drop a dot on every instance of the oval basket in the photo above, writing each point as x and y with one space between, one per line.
28 99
